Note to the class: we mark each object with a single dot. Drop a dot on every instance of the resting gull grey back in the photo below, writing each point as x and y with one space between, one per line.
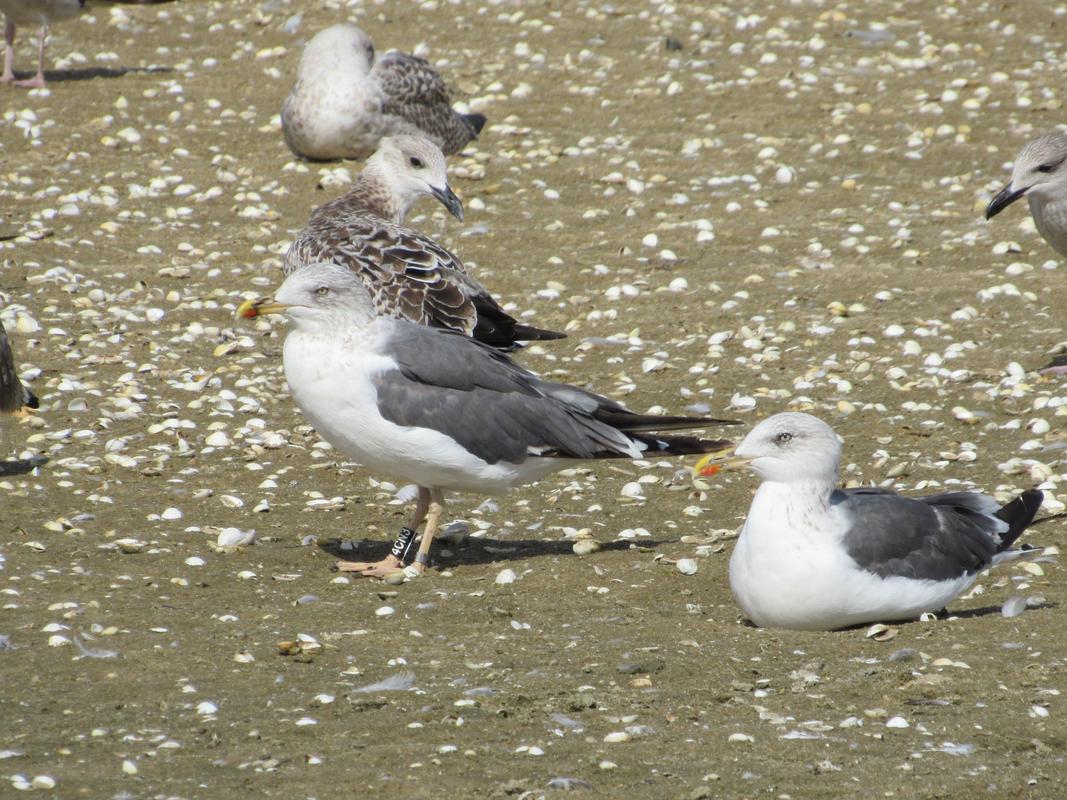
941 537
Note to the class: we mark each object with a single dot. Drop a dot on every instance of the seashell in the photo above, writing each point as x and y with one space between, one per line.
393 579
1013 606
880 632
505 576
230 501
617 736
687 566
235 537
130 545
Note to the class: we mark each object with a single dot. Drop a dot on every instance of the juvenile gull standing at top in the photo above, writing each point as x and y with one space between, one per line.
344 100
407 274
814 557
1040 175
437 408
32 12
14 397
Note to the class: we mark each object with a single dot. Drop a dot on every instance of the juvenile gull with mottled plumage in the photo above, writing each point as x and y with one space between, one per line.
344 100
815 557
1040 175
407 274
439 409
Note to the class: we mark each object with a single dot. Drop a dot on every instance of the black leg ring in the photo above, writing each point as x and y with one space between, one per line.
403 543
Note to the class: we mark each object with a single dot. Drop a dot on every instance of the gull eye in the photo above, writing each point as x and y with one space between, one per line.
1046 168
416 162
322 291
785 437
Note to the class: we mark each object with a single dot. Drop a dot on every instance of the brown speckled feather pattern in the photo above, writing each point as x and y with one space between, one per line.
416 93
408 275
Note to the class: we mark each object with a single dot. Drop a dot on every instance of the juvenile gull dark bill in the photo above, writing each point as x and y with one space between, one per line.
344 100
438 409
1040 175
15 397
814 557
32 12
407 274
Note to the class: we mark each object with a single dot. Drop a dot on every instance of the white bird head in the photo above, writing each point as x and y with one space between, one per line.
338 50
322 298
1039 170
410 167
785 448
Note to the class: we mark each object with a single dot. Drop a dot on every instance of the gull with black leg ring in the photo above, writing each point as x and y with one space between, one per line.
439 409
812 556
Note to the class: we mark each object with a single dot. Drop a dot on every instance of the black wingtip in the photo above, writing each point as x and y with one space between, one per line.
477 122
528 333
682 445
30 399
1019 513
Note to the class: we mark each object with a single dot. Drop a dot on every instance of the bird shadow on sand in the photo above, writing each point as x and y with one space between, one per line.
471 550
989 611
91 73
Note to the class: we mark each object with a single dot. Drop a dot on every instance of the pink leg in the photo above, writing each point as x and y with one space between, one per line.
390 563
9 52
37 81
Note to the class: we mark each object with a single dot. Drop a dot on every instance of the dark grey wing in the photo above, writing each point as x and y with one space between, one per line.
416 93
409 276
13 395
501 412
938 538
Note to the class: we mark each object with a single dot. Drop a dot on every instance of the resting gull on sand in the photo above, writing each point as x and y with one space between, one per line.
32 12
815 557
439 409
407 274
14 398
344 100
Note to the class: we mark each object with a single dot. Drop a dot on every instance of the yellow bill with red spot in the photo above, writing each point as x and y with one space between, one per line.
250 309
714 463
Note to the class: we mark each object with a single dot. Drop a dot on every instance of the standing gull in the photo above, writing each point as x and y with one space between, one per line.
814 557
1040 175
14 397
439 409
407 274
344 100
32 12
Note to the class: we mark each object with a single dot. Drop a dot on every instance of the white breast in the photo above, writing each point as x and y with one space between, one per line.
334 388
789 569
